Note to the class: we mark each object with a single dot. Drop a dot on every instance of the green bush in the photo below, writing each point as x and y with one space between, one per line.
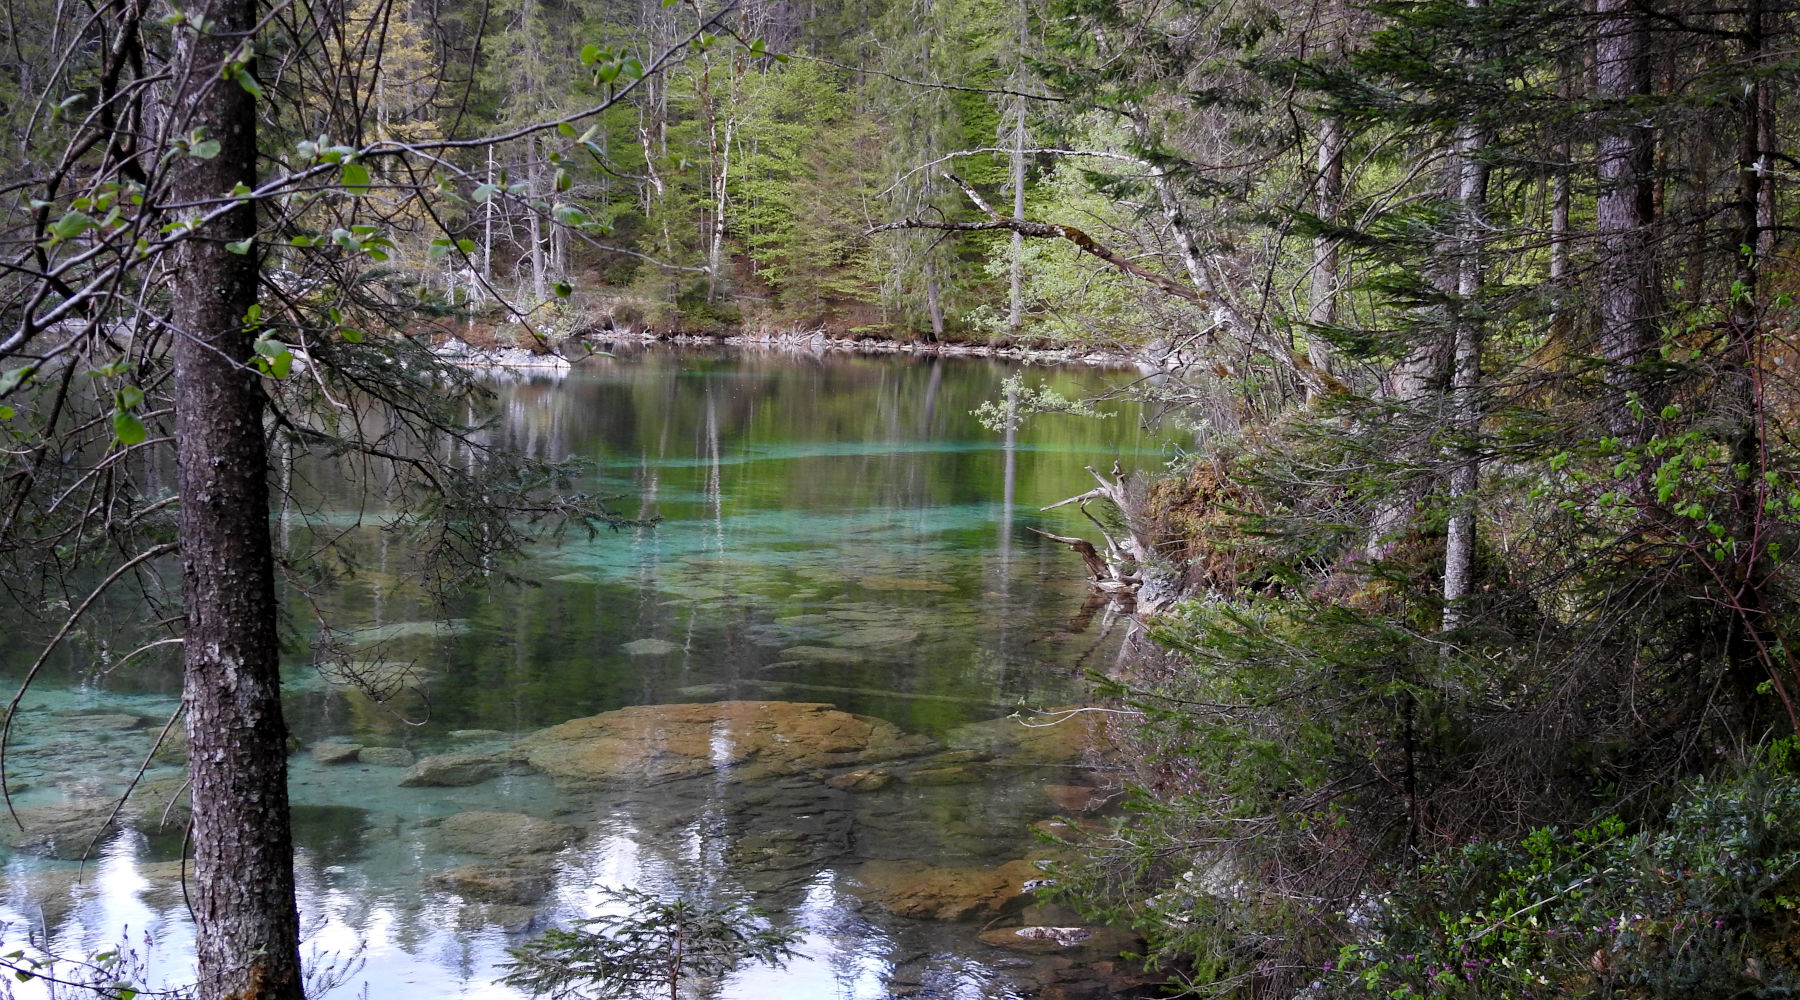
1702 906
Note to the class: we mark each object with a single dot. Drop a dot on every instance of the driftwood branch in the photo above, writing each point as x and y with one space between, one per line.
1097 567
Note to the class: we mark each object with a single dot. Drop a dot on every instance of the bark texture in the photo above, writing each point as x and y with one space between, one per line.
1465 373
1625 212
242 889
1328 202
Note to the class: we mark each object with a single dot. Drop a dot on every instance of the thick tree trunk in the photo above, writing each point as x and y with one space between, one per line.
247 931
1624 214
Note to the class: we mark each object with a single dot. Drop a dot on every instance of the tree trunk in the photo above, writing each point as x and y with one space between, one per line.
1465 373
1623 215
540 274
934 303
1015 313
246 928
1561 202
1322 308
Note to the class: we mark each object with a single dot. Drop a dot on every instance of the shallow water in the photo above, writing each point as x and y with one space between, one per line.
833 529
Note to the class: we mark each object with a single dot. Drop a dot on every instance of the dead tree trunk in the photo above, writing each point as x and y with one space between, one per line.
1129 567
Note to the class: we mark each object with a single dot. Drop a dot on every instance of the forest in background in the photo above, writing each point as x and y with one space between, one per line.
1475 589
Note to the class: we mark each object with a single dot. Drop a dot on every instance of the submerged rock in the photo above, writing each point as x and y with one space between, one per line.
174 747
161 804
745 740
956 774
865 779
891 583
503 835
335 752
512 883
455 770
651 647
1060 736
918 890
821 654
59 829
1077 798
102 722
387 756
1036 940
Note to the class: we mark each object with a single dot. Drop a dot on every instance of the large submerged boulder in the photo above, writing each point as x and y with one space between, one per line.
915 889
59 829
503 835
456 770
742 740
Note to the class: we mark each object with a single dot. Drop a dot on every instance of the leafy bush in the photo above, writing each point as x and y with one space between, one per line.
1701 907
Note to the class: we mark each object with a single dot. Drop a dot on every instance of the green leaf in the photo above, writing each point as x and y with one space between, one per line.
279 360
204 150
466 246
128 428
353 336
439 249
6 412
248 82
71 225
569 215
607 73
563 181
129 397
354 177
565 130
485 191
562 289
240 247
13 379
590 54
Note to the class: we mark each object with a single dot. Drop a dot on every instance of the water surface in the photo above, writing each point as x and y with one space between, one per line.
829 529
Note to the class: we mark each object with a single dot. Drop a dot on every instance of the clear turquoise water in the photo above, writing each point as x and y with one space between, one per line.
844 503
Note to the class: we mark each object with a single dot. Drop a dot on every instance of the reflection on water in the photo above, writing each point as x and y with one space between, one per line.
835 530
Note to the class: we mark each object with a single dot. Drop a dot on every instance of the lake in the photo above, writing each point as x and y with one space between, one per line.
831 528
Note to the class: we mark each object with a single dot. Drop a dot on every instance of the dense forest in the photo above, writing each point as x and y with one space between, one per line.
1472 593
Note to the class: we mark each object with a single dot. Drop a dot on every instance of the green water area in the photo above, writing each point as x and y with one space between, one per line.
820 683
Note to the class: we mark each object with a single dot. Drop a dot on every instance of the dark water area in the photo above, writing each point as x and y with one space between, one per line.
833 529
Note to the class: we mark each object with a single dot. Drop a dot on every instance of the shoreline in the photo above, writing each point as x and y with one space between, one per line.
455 351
